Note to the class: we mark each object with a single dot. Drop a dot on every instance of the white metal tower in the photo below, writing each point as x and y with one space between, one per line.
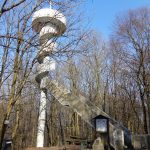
49 23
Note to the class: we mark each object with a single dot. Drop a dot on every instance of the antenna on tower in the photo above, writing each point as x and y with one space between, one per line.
50 3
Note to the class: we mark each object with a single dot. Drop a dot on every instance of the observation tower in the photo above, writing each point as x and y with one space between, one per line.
49 24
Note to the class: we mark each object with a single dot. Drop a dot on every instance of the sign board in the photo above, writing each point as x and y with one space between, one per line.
101 125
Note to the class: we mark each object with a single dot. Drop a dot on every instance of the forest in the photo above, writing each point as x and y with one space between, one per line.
114 74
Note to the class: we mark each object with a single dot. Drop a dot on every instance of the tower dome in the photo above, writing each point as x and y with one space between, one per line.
46 15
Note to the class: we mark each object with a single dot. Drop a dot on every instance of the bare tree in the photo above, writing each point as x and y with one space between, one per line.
19 44
132 36
7 6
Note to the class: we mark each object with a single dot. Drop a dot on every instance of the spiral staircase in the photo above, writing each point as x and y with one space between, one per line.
49 23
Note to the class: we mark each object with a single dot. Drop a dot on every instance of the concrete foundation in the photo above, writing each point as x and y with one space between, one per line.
38 149
98 145
68 147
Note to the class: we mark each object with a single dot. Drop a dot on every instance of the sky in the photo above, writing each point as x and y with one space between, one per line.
101 13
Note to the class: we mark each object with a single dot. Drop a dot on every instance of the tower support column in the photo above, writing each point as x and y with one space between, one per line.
41 120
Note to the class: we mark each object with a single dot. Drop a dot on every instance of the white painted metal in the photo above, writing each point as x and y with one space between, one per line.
41 120
44 68
48 23
42 16
46 50
48 31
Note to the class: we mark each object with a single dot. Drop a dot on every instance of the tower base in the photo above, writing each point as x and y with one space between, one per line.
32 148
67 147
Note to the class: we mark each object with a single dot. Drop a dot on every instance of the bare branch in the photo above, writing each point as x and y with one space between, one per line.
3 9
